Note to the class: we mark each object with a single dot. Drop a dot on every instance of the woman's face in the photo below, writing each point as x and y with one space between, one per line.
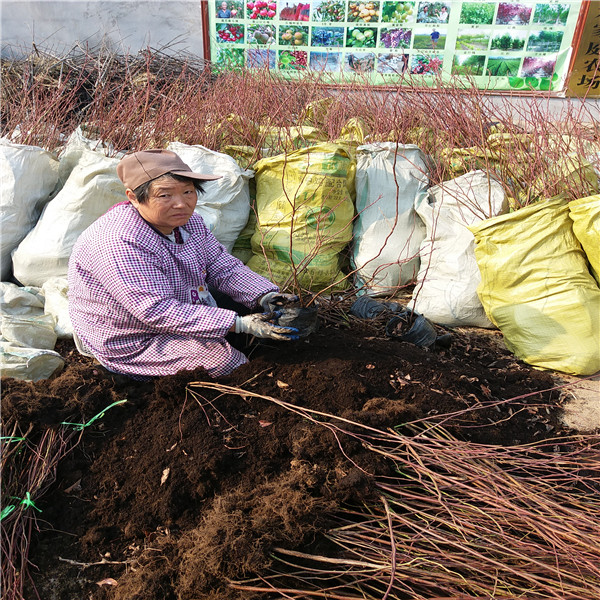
170 204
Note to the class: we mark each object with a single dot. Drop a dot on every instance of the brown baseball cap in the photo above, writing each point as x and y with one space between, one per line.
139 167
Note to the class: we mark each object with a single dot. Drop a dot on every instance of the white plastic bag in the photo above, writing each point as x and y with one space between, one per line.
446 290
92 188
390 180
28 176
225 203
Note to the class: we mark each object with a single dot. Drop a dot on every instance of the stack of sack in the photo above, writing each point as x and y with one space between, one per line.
321 212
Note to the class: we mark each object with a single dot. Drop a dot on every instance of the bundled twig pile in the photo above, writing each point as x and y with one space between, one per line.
28 470
459 520
152 98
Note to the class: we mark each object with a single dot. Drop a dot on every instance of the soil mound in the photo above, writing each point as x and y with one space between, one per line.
181 488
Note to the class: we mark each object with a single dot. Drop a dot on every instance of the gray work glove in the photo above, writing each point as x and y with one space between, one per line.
273 300
261 326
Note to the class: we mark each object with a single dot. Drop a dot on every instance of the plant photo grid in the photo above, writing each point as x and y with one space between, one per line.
492 44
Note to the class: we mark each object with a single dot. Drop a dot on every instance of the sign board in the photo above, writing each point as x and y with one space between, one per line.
584 76
496 45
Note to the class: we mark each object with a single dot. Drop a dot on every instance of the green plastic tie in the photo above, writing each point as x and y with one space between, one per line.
6 511
28 502
10 438
82 426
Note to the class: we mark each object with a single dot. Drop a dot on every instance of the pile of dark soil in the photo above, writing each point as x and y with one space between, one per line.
178 490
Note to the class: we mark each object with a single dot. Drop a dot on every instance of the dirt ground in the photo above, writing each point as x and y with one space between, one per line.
174 492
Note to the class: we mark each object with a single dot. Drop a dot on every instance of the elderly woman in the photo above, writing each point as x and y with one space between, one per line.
139 279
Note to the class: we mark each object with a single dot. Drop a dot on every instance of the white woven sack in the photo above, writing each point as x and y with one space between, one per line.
30 364
390 180
28 176
92 188
56 303
446 290
17 300
73 150
29 331
225 203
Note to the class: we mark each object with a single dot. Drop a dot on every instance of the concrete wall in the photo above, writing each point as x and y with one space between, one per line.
173 26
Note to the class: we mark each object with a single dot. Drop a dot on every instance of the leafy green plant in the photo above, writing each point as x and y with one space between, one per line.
468 65
230 59
477 13
507 42
551 14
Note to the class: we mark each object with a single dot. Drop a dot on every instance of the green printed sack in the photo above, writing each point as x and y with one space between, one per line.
537 289
585 214
305 208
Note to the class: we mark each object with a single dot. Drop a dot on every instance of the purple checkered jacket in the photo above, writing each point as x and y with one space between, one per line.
135 298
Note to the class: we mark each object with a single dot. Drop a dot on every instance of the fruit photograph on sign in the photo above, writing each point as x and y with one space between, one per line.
261 34
329 10
327 36
294 35
261 9
230 33
398 12
361 37
293 59
293 11
395 37
426 64
363 12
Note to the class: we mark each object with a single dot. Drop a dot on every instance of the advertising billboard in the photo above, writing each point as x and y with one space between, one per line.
496 45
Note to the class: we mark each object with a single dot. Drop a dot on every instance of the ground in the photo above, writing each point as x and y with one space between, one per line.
182 488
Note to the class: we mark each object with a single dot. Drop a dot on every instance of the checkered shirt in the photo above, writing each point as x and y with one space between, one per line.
136 299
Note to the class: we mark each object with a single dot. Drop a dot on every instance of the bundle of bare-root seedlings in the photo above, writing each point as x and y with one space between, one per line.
28 465
457 520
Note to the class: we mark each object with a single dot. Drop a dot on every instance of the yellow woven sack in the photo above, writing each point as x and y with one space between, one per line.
585 214
305 208
537 289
